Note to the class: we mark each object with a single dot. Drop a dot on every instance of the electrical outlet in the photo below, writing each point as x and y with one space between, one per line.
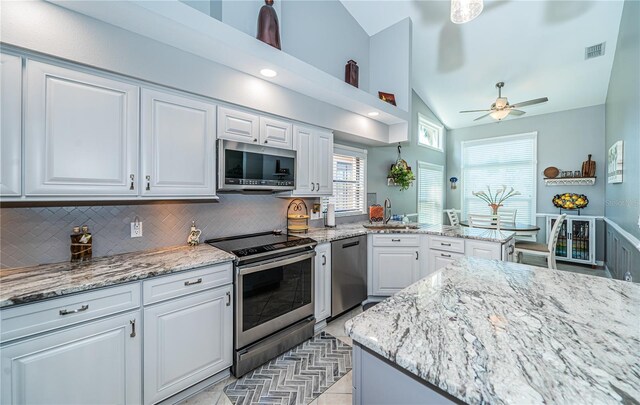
136 229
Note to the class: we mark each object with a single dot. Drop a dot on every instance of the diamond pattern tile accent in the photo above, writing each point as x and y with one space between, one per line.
295 377
37 235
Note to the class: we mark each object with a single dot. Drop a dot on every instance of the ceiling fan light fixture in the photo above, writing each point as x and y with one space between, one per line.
463 11
499 114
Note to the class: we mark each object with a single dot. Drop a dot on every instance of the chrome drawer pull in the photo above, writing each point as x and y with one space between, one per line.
228 299
442 254
395 240
188 283
133 328
445 244
75 311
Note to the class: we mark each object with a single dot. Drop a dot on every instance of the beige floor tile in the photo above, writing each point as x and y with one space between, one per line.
334 399
224 400
342 386
346 339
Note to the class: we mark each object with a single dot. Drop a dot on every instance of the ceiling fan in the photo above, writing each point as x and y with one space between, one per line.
501 108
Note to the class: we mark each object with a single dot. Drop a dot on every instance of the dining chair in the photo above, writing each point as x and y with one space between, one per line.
507 215
540 249
453 217
483 221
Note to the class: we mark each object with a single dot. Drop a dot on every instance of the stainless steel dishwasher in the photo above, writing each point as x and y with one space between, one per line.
348 273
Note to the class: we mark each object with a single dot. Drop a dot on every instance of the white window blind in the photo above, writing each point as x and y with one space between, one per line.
430 193
501 161
349 181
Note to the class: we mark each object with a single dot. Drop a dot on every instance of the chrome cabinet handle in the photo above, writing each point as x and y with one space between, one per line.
313 186
443 255
75 311
417 255
228 298
324 260
188 283
445 244
395 240
131 177
148 183
133 328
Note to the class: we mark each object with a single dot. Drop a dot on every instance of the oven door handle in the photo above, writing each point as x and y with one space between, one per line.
282 261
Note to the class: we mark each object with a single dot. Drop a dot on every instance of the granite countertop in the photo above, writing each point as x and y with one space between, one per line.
26 284
496 332
356 229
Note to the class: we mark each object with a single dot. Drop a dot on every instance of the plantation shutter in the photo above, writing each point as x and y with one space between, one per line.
430 193
496 162
349 180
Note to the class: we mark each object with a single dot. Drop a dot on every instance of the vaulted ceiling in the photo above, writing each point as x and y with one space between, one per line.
536 47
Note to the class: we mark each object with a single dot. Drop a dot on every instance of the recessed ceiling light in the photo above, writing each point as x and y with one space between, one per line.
373 114
268 73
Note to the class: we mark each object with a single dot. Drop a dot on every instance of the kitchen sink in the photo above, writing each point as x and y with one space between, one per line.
391 226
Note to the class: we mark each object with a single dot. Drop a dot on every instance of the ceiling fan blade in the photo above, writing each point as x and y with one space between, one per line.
481 117
530 102
468 111
516 112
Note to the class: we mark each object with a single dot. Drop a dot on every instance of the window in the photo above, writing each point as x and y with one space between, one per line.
430 134
430 193
349 181
501 161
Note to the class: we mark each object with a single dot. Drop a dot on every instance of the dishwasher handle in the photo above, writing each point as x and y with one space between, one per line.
350 244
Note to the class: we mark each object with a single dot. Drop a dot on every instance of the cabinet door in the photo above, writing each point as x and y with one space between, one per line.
323 153
178 145
394 269
483 250
438 259
580 236
186 340
276 133
81 133
305 159
238 126
95 363
323 282
562 246
11 131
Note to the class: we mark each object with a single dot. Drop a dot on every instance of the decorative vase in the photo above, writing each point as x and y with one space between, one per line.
351 73
494 208
268 26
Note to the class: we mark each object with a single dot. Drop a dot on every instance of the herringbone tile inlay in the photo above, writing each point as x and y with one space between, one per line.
295 377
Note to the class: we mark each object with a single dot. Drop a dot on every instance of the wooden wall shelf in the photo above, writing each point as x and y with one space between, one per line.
571 181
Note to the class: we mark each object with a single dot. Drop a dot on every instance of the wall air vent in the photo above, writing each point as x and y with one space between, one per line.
594 51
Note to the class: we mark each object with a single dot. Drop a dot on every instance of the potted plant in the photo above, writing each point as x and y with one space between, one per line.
400 173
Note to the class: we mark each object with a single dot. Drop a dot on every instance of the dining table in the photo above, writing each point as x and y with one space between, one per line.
520 229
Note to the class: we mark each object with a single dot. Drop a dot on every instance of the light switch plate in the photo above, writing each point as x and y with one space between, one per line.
136 229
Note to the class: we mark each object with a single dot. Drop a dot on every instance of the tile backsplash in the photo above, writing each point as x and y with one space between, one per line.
36 235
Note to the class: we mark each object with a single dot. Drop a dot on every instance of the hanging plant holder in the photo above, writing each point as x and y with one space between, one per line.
400 173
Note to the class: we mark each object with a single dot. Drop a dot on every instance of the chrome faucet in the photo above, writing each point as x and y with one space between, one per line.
387 205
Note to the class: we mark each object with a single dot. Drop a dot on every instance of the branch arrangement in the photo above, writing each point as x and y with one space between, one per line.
498 198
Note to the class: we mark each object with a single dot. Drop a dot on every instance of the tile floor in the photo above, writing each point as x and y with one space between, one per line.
338 394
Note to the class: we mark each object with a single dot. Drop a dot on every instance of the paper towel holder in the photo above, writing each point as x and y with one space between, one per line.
325 219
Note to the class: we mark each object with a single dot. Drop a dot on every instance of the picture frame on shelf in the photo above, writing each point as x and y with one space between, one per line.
387 97
615 162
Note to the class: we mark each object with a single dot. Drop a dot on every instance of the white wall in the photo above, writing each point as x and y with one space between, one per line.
325 35
390 60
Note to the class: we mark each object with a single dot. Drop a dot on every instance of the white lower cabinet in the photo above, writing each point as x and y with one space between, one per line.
438 259
97 362
483 250
394 268
186 341
322 281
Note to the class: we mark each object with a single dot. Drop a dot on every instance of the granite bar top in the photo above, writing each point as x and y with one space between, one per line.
26 284
344 231
496 332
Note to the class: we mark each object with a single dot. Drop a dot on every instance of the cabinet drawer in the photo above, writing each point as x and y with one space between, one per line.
188 282
51 314
447 244
396 240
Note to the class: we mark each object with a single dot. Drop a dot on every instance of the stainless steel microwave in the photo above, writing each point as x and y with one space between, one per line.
249 167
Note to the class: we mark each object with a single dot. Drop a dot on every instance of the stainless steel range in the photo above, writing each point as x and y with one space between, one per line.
274 300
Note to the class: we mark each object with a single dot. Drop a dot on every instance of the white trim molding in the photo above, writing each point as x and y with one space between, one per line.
632 239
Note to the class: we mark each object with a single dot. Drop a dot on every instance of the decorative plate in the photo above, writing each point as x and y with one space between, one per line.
551 172
570 201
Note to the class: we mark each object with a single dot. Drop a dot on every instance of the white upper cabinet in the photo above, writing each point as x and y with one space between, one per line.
276 133
11 131
178 145
239 126
314 161
323 152
81 134
305 165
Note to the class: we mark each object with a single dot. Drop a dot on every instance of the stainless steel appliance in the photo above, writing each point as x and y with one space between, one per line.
249 167
348 273
273 295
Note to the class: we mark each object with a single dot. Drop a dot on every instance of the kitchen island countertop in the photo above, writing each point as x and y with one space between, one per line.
26 284
486 331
